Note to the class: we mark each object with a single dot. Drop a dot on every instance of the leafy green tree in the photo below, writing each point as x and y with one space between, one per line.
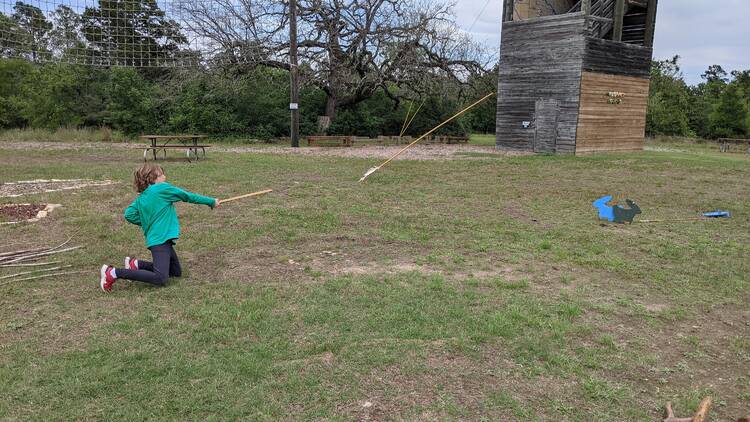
131 33
11 45
32 30
66 38
742 80
483 118
715 78
63 95
131 105
668 100
15 75
698 111
715 73
729 118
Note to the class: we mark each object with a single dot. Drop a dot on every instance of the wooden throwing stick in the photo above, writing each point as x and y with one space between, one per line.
249 195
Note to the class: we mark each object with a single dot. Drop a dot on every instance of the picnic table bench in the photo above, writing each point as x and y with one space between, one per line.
726 144
162 143
444 139
339 141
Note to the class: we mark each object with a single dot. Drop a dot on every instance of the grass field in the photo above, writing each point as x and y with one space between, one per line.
468 289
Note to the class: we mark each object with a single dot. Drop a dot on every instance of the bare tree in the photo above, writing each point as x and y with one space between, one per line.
348 48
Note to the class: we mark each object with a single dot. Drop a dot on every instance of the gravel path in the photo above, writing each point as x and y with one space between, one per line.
418 152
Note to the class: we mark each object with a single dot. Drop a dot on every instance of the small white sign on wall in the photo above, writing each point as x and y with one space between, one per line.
526 125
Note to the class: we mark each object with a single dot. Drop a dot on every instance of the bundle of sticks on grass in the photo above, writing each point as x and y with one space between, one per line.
35 263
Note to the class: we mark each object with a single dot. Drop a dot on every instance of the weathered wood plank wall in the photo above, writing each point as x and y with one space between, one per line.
613 113
617 58
545 125
540 59
529 9
557 58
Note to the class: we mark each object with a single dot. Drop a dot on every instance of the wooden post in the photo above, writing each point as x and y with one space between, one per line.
294 73
508 7
586 7
650 23
618 17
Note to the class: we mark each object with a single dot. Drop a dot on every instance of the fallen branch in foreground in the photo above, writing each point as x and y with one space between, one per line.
35 271
14 253
36 264
7 257
39 255
44 276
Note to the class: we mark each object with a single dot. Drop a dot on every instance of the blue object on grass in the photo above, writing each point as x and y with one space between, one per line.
718 214
606 212
617 213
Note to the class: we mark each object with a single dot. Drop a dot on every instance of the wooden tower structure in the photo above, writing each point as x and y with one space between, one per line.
574 75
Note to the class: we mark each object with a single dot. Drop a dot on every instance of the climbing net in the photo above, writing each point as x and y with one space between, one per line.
136 33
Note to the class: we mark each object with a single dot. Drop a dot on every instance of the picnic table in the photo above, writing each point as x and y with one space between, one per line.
343 141
162 143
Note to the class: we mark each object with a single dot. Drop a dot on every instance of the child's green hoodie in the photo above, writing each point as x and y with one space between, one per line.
154 211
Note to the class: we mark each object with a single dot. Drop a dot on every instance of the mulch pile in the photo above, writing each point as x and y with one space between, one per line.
20 212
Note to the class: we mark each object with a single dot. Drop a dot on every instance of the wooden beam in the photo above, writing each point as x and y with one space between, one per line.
650 23
508 6
618 17
586 7
639 3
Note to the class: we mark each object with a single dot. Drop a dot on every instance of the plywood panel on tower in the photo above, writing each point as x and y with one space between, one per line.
612 115
539 59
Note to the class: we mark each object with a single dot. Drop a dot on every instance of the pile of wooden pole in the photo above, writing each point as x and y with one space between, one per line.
35 263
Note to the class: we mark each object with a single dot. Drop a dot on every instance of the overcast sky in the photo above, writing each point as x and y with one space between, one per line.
702 32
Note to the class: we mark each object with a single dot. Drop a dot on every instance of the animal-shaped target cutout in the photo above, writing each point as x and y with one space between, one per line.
616 213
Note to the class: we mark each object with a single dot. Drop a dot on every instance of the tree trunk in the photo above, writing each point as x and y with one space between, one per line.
324 122
330 107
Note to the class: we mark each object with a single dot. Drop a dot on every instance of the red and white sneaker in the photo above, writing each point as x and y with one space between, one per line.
131 263
106 279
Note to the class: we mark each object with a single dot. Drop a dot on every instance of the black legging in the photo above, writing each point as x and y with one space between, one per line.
165 265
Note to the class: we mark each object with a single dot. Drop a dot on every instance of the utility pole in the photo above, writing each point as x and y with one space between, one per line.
294 72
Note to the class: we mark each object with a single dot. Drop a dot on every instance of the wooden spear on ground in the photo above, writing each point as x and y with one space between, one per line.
27 258
457 115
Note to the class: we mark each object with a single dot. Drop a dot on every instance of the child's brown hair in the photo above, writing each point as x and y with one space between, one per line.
145 176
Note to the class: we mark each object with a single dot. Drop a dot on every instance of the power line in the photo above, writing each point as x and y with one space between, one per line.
479 15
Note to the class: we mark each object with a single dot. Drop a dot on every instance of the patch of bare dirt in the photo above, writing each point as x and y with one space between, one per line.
417 152
29 187
709 353
420 393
